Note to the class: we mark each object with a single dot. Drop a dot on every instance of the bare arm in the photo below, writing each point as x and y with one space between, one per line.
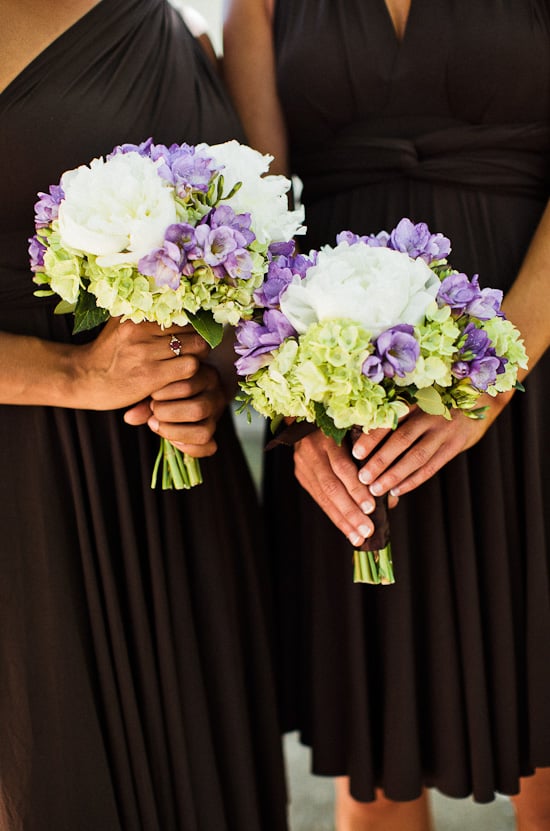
249 72
124 364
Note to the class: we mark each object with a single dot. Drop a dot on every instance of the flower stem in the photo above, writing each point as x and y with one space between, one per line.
373 567
179 471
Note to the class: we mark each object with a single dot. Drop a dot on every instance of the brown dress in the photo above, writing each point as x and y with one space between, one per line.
135 684
444 678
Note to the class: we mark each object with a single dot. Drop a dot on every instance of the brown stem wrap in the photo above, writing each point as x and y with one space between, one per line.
380 516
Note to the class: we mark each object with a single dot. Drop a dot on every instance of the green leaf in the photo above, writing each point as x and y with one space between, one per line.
64 308
327 425
429 400
86 313
43 293
203 323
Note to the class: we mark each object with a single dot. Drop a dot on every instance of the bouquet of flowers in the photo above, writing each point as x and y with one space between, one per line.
351 336
174 235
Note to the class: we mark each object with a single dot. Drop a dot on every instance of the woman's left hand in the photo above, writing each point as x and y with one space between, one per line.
184 412
400 460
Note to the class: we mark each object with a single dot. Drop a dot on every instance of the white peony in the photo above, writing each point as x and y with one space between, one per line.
375 287
118 209
264 197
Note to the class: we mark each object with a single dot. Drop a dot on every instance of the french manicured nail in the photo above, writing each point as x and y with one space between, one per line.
376 489
355 539
358 452
365 476
395 492
364 530
367 507
153 424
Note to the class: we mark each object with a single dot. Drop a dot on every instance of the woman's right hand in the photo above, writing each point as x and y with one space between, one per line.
128 362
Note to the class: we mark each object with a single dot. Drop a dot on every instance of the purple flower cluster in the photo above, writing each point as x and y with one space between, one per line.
256 341
283 266
36 249
46 209
464 296
478 360
396 353
218 242
416 240
179 164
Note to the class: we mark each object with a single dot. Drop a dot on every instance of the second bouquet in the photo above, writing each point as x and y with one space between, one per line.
173 235
350 337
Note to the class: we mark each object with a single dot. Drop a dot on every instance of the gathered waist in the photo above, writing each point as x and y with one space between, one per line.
507 159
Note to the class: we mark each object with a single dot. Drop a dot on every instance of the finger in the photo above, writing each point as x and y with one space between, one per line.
195 409
346 470
139 414
198 451
366 442
332 497
190 342
205 379
198 433
393 447
422 474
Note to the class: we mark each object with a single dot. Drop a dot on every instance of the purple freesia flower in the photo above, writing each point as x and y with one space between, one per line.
478 360
144 149
224 215
486 304
215 243
163 265
372 369
277 280
418 241
457 291
187 169
280 273
37 249
238 264
398 350
255 342
280 249
476 343
482 372
46 209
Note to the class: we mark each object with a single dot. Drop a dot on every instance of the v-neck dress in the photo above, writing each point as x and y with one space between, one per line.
136 689
444 678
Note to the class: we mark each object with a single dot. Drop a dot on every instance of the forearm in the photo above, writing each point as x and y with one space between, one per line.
36 371
249 72
527 304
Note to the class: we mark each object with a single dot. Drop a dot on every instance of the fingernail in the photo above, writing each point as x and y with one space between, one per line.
395 492
355 539
358 453
153 423
365 476
364 530
367 507
376 489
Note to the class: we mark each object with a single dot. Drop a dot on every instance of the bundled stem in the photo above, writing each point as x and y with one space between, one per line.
179 471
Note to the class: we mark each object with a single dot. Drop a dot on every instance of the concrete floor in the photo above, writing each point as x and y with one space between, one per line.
311 806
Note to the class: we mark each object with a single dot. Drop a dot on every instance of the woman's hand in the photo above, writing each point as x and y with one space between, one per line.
127 363
401 460
185 412
329 474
